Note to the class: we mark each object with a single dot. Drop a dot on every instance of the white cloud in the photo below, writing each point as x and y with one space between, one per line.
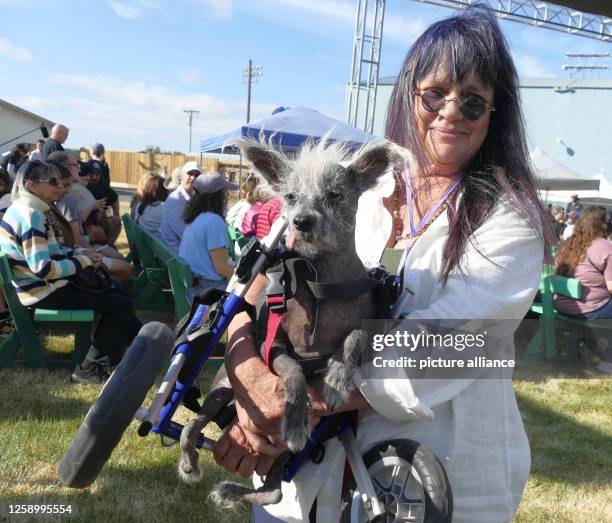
404 30
129 12
9 50
190 76
131 114
343 10
529 66
219 8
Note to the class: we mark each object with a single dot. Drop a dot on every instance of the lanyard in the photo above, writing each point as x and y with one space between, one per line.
424 221
427 216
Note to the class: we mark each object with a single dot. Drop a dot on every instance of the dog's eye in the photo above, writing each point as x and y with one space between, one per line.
333 195
290 198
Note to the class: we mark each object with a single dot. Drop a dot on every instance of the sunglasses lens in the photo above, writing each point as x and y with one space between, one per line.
473 107
432 101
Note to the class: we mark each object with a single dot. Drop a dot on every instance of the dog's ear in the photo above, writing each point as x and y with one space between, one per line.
370 164
270 164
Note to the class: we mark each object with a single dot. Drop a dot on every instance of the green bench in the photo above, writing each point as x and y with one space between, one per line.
24 336
151 288
178 273
545 342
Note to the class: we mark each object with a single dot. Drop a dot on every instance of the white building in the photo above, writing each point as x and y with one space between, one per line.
15 121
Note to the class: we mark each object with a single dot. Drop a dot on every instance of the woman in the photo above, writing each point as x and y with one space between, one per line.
236 213
467 214
587 256
205 242
149 210
42 271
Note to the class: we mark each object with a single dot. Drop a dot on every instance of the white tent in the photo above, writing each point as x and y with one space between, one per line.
554 176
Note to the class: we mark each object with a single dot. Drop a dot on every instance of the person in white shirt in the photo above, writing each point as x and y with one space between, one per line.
570 226
36 154
464 208
236 213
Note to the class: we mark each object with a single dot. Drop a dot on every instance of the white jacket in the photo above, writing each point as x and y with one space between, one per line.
473 426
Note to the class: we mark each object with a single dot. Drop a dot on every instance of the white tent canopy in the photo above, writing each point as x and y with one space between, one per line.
554 176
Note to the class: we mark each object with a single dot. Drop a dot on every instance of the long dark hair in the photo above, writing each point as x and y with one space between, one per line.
472 42
205 202
594 223
153 191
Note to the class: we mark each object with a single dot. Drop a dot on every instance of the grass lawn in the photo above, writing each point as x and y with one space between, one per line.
569 423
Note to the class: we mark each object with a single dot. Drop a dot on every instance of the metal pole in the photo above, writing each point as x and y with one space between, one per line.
249 80
190 113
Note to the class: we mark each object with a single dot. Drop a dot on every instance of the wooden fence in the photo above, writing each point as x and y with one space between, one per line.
128 167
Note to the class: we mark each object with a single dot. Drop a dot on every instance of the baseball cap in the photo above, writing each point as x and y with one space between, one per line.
174 180
212 182
97 149
191 166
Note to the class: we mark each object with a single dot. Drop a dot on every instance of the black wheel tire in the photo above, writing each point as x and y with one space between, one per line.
427 470
120 398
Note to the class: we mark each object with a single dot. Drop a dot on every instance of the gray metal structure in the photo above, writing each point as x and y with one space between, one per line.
366 59
367 42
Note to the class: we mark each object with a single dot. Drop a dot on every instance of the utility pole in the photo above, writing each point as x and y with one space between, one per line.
250 74
190 112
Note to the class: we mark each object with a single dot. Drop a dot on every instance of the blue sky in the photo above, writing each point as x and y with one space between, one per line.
122 71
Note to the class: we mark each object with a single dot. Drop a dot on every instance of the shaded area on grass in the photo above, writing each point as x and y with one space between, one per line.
49 396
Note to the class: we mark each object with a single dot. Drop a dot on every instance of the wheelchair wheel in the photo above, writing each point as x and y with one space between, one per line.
409 481
114 409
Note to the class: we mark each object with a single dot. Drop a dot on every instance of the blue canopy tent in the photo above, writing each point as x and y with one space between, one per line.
288 129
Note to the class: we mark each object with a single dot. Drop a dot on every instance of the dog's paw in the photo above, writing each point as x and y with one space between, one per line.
295 429
189 470
225 494
338 383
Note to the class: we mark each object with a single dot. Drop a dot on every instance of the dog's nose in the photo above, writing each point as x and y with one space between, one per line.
303 223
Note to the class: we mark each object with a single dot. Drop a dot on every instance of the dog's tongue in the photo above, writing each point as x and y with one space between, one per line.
290 239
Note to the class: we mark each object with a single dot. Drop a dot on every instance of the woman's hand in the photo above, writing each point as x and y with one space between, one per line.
94 256
235 453
260 394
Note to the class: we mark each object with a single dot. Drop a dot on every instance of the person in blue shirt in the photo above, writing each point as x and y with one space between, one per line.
173 224
205 242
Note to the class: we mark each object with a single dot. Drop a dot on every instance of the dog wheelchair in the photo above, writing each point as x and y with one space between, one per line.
395 481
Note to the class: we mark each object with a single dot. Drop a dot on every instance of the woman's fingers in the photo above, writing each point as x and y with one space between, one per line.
247 466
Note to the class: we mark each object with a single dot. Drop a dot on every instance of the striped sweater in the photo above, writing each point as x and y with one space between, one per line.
40 264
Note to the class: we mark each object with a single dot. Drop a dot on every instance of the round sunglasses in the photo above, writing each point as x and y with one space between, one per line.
472 107
51 181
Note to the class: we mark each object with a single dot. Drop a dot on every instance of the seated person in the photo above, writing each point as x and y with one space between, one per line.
205 241
587 256
236 213
12 160
110 224
42 271
267 216
262 194
173 224
148 211
67 227
102 187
